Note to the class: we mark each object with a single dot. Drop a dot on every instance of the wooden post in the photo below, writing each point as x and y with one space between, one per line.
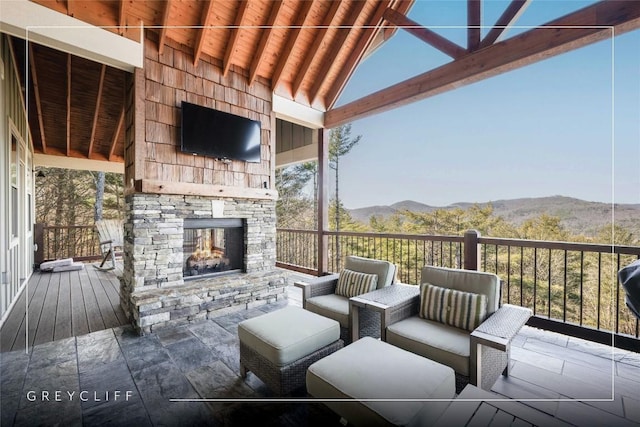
323 200
471 259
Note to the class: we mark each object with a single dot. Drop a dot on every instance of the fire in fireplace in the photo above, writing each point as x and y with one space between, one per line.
212 246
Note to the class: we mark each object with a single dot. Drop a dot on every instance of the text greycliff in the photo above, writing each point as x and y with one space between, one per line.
83 396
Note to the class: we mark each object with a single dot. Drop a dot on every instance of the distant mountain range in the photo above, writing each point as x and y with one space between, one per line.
577 216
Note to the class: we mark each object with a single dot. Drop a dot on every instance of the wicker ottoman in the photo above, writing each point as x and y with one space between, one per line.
382 385
278 347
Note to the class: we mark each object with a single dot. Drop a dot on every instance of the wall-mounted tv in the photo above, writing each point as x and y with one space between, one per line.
214 133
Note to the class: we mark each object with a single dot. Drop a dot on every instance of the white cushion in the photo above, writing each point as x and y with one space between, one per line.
436 341
372 369
286 335
333 306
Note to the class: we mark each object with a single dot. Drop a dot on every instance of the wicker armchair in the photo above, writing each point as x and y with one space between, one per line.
479 356
318 295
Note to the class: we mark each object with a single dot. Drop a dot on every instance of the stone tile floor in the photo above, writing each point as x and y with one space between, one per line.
115 377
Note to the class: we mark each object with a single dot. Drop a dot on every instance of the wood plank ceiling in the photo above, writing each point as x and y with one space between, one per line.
307 49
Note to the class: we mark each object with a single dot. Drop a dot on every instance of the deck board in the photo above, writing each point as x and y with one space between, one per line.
94 317
62 327
35 306
104 304
79 323
62 305
46 321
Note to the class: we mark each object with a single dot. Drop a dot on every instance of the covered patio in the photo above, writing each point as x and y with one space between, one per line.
148 344
190 375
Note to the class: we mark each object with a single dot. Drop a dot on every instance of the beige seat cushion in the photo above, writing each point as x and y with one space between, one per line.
286 335
333 306
436 341
372 369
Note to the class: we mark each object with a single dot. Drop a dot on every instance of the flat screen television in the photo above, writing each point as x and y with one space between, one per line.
214 133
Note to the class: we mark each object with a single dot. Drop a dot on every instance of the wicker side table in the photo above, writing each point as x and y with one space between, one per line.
491 343
390 302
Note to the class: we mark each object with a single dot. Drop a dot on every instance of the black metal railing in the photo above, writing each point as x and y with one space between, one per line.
572 284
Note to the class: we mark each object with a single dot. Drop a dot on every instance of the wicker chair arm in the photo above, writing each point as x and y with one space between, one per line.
403 310
499 329
324 285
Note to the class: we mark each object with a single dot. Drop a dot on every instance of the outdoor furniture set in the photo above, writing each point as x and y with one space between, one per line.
433 340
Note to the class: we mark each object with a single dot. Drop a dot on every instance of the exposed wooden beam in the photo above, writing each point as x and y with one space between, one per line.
508 17
233 38
68 103
359 51
71 7
597 22
164 25
122 16
264 41
336 45
96 111
36 93
426 35
315 47
301 19
116 135
474 20
207 16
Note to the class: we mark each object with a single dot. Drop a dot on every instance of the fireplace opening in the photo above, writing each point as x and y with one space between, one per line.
212 247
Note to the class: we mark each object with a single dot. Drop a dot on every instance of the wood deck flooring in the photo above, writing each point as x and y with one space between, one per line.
63 305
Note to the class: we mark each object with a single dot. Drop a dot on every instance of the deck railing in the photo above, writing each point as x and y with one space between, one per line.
75 241
572 285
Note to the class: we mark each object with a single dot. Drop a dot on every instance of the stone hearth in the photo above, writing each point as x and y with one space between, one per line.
153 291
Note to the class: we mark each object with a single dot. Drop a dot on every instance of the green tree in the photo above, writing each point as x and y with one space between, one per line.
293 206
340 144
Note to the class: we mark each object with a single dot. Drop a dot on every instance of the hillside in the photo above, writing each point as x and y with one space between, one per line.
577 216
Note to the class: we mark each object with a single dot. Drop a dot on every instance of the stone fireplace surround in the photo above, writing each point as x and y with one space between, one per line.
153 291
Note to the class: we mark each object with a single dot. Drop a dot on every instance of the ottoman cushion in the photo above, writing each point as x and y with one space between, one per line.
286 335
372 369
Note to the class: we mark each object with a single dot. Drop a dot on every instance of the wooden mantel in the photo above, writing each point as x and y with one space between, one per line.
206 190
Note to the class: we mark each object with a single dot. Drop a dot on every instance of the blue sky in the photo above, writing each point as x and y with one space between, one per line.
569 125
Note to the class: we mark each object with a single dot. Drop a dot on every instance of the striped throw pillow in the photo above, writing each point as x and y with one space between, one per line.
464 310
352 283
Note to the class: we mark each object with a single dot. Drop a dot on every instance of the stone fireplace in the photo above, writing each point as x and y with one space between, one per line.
200 233
162 234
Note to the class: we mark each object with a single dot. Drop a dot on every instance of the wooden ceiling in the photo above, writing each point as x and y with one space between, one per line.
308 50
76 106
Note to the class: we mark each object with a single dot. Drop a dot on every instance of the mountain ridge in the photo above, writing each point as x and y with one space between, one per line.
576 215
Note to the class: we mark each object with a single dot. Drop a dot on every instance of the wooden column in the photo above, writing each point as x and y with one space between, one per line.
471 259
323 200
